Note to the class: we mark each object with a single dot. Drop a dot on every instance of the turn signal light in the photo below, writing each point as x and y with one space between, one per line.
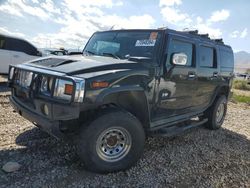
68 89
100 84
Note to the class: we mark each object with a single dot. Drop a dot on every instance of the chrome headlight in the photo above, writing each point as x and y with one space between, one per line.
80 88
46 85
24 78
64 89
11 73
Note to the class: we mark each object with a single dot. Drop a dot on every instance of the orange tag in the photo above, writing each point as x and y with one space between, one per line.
153 35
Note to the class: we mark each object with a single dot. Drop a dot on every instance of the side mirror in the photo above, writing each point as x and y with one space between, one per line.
179 59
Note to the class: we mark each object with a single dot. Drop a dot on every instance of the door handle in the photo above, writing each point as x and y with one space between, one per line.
191 75
215 74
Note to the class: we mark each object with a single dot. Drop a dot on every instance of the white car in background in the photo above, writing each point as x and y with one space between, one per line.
15 51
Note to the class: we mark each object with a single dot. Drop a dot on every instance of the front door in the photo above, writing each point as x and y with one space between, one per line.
177 86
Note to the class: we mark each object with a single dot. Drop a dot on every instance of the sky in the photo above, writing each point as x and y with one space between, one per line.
69 23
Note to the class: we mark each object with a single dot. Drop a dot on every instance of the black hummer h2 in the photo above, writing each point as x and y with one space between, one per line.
127 84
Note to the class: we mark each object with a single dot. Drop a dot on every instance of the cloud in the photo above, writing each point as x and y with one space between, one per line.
234 34
169 2
239 34
77 20
77 32
80 19
19 7
244 33
204 28
4 30
220 15
13 10
171 13
49 6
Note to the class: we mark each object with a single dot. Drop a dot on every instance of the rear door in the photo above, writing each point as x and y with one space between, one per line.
208 73
5 56
177 87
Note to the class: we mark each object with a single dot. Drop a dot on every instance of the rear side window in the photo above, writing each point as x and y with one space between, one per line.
207 57
177 46
226 59
2 43
20 46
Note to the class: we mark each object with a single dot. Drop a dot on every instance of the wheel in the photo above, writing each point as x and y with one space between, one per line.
112 142
216 113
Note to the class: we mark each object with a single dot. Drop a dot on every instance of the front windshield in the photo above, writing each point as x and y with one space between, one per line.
124 44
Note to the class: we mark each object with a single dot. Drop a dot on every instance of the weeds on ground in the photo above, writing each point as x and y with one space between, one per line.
241 84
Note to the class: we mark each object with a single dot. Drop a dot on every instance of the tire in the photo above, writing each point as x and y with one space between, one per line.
117 132
214 119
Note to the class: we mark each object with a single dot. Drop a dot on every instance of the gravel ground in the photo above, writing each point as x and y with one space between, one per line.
196 158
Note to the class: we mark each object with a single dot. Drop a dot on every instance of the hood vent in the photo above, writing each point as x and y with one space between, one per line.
53 62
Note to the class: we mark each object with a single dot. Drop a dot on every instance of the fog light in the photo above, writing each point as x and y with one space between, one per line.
45 110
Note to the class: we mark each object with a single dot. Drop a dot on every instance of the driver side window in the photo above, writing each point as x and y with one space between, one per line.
177 46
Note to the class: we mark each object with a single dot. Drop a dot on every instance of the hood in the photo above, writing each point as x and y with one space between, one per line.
76 65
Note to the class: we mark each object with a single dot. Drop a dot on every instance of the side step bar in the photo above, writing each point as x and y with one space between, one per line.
174 130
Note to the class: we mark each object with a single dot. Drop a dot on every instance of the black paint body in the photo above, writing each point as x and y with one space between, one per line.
157 92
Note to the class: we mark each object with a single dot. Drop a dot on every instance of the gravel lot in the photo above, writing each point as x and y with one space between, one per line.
196 158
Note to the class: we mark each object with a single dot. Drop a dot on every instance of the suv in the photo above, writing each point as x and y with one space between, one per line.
14 51
127 84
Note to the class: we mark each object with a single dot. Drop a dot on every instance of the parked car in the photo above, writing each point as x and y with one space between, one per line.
14 51
128 84
58 52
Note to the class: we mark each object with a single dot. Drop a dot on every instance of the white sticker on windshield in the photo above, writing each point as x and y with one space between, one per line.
146 42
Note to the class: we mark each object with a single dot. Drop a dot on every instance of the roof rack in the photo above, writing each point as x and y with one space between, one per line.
205 35
196 32
193 32
162 28
219 41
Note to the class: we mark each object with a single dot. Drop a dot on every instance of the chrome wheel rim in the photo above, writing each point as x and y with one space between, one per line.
113 144
220 112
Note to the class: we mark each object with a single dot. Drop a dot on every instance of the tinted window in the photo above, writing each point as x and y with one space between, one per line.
227 59
177 46
20 46
2 43
207 57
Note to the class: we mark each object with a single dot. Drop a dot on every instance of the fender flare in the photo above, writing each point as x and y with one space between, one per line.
130 98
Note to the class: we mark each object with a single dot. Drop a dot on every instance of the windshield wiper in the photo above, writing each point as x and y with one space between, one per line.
89 52
110 54
136 57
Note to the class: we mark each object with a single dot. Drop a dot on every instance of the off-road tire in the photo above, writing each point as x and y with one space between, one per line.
89 136
212 123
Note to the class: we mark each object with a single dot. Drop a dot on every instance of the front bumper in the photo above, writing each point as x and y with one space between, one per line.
49 126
